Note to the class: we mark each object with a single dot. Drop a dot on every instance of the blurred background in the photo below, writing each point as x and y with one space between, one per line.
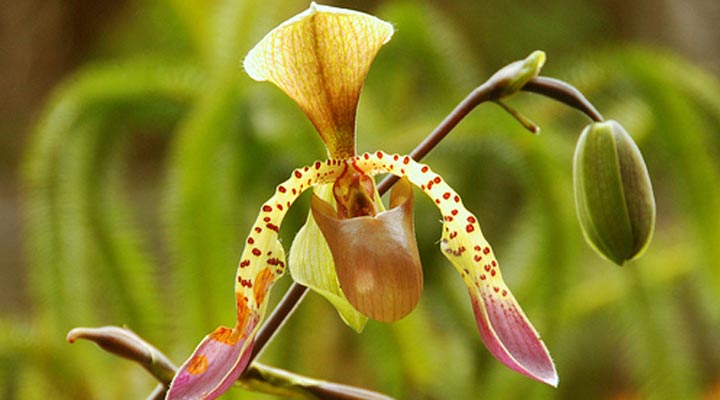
134 153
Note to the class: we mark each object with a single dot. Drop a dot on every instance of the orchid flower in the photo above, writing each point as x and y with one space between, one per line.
361 257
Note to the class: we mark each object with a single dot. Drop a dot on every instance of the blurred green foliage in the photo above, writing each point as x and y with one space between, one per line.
146 169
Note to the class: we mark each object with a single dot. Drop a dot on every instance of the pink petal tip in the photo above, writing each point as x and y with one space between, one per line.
511 338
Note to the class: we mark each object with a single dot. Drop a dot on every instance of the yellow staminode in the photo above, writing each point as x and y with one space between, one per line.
320 58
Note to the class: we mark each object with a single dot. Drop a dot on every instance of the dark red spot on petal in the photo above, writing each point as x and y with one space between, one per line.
318 164
298 174
406 160
486 250
437 179
267 208
256 252
273 227
446 195
282 189
379 154
456 198
454 212
250 240
258 229
469 228
424 169
471 219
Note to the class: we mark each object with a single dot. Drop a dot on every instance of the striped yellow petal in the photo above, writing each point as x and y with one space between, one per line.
320 58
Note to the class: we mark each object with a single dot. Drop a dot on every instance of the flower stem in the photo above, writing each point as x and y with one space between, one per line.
478 96
272 324
564 93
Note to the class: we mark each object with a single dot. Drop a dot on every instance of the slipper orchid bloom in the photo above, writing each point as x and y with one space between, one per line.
361 257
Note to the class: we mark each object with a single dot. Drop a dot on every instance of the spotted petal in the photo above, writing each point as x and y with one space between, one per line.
320 58
223 355
504 328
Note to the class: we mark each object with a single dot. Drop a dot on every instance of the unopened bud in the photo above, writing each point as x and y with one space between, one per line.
511 78
613 193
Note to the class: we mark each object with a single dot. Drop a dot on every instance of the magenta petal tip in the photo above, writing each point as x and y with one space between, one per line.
511 338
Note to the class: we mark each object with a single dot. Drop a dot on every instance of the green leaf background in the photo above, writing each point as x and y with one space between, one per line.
145 168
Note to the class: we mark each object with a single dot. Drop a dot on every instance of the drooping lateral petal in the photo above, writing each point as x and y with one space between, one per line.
215 364
376 257
320 58
223 355
504 328
311 264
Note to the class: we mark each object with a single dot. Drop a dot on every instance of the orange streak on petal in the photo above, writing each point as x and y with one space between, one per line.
198 365
225 335
243 313
262 282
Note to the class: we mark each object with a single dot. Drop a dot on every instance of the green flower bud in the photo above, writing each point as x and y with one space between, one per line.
511 78
613 193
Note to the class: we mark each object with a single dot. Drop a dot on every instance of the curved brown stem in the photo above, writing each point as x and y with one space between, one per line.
280 314
564 93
